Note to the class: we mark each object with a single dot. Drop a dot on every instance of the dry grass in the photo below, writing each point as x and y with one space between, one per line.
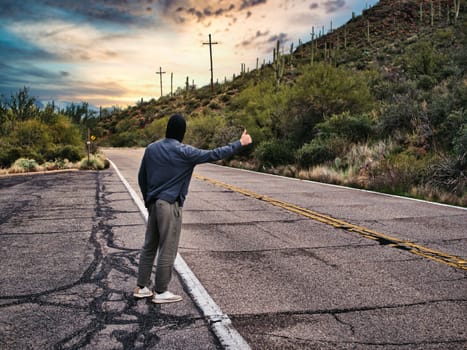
431 194
23 165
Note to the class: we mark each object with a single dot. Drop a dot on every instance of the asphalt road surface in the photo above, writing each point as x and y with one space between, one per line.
294 264
69 246
348 269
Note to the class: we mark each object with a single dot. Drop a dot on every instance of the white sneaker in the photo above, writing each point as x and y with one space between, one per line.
142 292
166 297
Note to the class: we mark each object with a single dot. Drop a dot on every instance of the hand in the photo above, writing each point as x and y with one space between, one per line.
245 139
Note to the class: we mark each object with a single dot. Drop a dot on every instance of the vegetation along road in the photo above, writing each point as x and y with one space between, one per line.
296 264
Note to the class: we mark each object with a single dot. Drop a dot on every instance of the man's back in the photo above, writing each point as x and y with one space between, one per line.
167 167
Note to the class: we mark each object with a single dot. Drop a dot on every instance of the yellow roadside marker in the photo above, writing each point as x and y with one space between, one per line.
382 238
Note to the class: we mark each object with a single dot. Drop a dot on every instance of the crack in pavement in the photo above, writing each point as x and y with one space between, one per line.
284 330
343 310
108 311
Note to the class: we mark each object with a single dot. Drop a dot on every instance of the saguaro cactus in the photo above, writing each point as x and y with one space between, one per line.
368 31
278 64
421 13
457 6
312 45
432 13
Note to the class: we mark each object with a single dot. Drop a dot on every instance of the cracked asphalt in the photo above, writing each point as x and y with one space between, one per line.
69 245
288 282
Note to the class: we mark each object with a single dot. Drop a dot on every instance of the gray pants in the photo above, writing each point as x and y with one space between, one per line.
162 237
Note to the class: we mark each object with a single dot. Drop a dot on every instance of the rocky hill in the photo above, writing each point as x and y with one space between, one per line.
375 39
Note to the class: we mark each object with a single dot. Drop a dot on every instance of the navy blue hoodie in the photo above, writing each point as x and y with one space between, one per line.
167 167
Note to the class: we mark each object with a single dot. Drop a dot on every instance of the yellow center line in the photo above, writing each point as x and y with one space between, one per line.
385 239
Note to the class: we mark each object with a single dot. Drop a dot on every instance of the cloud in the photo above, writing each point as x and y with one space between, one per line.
14 77
314 6
333 5
254 40
282 37
251 3
14 48
201 13
203 10
135 12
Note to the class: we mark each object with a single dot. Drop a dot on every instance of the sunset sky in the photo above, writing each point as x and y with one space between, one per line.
107 52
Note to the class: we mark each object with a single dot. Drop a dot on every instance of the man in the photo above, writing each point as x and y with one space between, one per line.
164 177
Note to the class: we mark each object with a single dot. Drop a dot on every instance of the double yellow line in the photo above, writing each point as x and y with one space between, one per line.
382 238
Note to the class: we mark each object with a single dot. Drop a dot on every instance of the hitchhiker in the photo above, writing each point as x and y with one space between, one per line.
164 177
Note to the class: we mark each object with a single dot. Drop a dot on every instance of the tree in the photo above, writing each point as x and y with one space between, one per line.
22 105
323 90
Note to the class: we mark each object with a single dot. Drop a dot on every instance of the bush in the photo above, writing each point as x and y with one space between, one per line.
275 152
316 152
202 129
460 142
33 153
8 155
72 153
355 128
399 116
96 162
127 139
31 133
426 82
451 130
156 129
399 172
22 165
449 174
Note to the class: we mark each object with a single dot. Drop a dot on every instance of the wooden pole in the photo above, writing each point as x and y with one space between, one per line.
210 43
171 83
160 73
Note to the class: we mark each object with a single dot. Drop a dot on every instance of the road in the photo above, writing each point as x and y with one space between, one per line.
69 244
303 265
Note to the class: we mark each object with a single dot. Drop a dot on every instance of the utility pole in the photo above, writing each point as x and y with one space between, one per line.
160 73
171 84
210 55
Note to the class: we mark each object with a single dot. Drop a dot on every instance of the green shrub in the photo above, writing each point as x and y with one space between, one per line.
316 152
33 153
202 129
426 82
8 155
32 133
156 129
449 174
450 132
398 173
460 141
322 90
25 165
274 152
95 163
127 139
355 128
72 153
398 116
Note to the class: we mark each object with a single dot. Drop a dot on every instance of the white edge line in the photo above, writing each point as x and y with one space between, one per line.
346 187
220 323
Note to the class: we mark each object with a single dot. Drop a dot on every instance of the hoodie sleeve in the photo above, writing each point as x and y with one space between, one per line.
142 178
198 156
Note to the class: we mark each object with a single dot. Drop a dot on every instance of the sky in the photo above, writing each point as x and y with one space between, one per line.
107 52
